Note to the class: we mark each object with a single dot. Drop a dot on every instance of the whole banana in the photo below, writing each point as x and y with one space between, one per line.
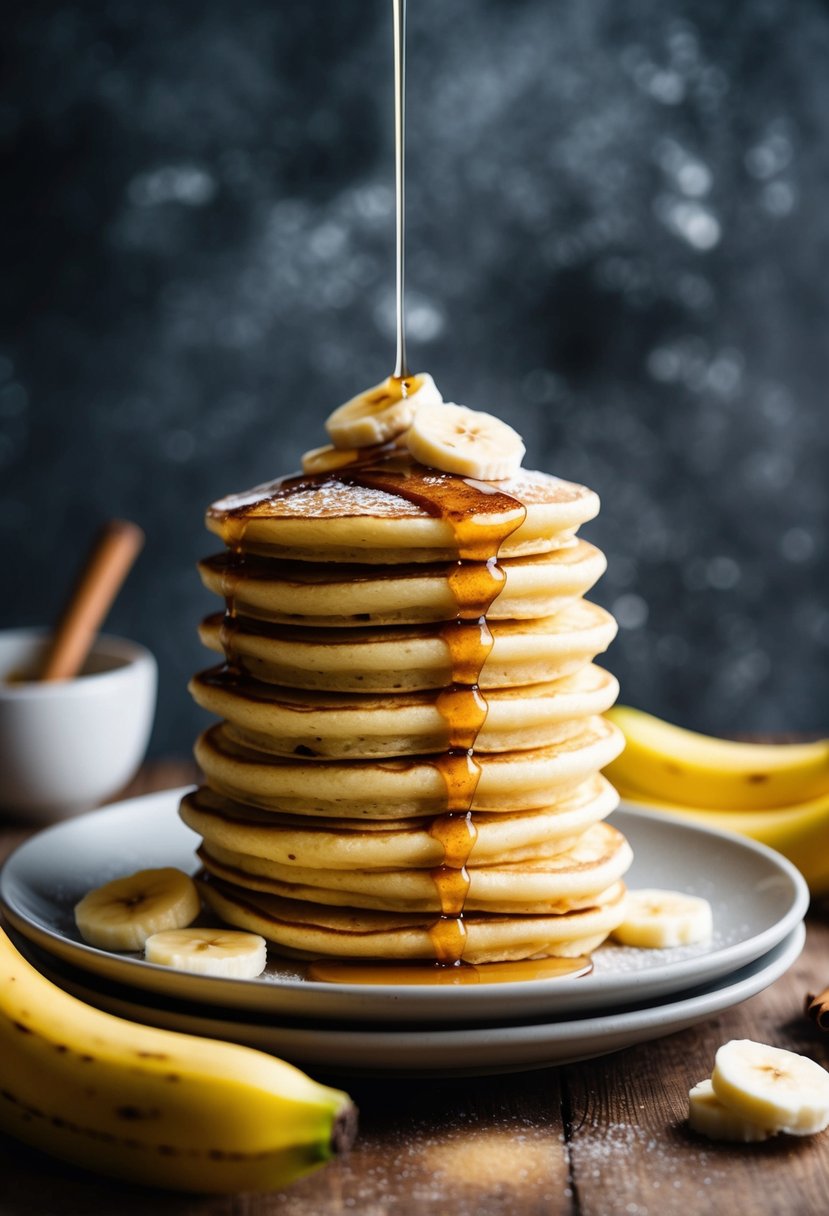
777 794
800 832
671 764
152 1106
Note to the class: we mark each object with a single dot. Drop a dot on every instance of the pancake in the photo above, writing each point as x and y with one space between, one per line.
330 518
307 593
284 722
342 844
569 880
302 929
407 762
401 787
405 658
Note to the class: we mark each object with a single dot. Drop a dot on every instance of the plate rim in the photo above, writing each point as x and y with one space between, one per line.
431 1003
602 1031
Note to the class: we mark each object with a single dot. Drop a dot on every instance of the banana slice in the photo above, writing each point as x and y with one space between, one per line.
708 1116
122 914
381 413
771 1087
657 919
328 458
455 439
225 952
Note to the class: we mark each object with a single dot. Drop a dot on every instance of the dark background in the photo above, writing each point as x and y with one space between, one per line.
619 241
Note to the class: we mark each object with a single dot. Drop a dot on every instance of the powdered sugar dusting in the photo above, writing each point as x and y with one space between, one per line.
333 498
337 498
613 959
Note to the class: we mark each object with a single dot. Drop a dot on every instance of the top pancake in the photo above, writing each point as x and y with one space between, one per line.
413 514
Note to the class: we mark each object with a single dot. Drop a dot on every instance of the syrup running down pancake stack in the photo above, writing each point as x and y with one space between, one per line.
407 765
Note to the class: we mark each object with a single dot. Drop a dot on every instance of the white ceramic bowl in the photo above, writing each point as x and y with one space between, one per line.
67 745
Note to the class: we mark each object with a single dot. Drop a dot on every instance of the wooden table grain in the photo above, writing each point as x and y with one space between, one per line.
602 1138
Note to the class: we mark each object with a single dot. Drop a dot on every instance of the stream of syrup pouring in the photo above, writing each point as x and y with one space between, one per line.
481 517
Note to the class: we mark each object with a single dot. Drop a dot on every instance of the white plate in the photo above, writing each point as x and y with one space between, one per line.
458 1051
757 896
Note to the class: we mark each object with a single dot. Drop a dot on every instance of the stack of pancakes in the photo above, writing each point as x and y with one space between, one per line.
408 762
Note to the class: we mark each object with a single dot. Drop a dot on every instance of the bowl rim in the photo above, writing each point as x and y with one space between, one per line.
132 655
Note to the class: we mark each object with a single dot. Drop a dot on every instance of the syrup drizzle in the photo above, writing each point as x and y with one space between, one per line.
475 585
401 369
228 631
481 518
526 970
231 572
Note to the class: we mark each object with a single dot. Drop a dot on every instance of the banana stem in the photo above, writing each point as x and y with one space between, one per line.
344 1129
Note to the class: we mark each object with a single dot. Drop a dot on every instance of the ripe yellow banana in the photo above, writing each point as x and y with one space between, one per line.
153 1106
679 766
800 833
717 783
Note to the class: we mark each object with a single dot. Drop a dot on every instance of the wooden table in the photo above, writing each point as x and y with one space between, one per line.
602 1138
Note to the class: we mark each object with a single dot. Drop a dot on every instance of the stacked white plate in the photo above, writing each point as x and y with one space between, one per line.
758 901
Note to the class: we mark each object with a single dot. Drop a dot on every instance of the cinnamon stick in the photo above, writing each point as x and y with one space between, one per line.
817 1008
100 580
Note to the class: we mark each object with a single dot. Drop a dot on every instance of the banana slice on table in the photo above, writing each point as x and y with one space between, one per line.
225 952
774 1088
122 914
657 919
710 1117
455 439
381 413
